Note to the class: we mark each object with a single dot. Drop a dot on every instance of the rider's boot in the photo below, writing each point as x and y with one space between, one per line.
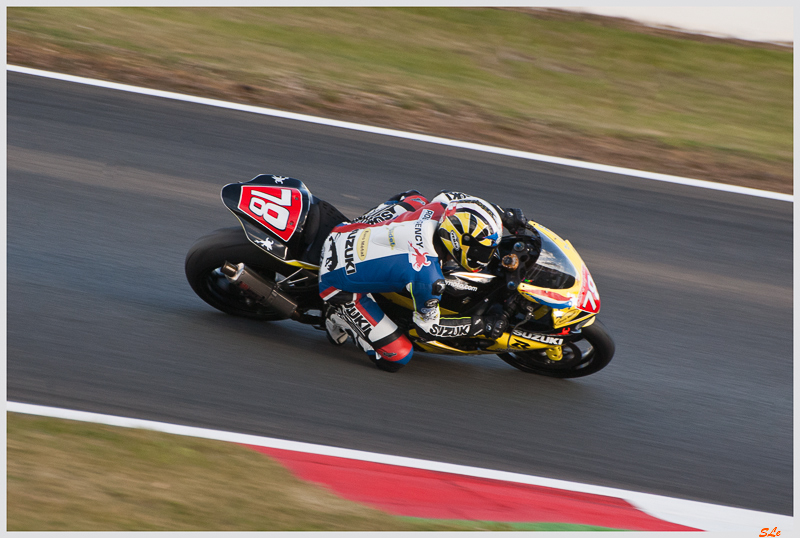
372 331
335 327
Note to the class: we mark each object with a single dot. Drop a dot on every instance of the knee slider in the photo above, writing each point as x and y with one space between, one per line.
395 348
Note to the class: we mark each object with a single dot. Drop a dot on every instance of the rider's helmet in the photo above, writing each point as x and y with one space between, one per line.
470 230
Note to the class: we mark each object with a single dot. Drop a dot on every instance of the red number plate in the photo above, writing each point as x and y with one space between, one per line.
276 208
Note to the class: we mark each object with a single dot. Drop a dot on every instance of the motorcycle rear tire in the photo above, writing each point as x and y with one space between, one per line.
204 260
576 363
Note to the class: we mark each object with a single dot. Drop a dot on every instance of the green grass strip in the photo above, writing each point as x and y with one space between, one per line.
73 476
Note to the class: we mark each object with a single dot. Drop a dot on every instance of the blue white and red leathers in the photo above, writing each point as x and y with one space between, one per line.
390 249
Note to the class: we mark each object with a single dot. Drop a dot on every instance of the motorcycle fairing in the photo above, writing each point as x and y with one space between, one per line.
588 299
272 210
576 304
517 340
569 309
546 297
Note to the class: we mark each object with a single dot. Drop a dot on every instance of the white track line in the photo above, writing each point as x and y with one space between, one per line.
410 136
699 515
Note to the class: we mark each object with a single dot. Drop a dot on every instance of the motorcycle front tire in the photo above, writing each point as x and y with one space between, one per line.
576 362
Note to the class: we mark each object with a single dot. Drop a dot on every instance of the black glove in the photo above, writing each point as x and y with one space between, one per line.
513 219
495 325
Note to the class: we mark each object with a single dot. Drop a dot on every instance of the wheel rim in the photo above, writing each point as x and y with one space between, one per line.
572 357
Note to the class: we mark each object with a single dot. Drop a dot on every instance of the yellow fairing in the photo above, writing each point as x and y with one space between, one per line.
435 346
569 317
304 265
570 314
549 299
513 342
506 342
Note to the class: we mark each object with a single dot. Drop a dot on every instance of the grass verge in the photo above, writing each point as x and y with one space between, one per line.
565 84
72 476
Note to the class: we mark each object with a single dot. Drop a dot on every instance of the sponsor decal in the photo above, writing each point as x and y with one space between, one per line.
431 303
332 259
454 239
450 331
280 179
547 297
362 245
417 258
425 216
543 338
453 195
276 208
553 295
266 243
589 299
457 284
567 315
349 261
437 288
356 319
392 242
377 216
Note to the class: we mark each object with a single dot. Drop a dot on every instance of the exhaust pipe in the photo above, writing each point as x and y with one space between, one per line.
265 291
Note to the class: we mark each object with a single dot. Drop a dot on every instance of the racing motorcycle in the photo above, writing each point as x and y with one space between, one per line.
268 269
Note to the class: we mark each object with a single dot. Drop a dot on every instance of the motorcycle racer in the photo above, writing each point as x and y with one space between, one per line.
401 245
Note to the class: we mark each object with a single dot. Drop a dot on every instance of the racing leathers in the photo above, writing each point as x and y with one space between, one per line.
389 249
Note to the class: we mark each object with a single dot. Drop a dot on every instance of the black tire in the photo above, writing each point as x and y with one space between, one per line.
576 362
208 254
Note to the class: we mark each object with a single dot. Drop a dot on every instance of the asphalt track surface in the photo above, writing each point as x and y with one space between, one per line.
107 191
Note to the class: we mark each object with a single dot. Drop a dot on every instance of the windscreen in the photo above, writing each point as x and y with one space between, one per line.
553 269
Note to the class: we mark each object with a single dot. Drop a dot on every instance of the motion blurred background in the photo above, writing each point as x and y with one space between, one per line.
107 190
565 83
770 24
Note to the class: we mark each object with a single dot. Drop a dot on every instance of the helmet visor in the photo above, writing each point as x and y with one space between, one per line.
479 255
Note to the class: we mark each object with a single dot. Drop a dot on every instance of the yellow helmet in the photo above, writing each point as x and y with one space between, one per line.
470 230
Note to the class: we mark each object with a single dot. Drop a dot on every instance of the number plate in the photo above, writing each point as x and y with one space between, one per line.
276 208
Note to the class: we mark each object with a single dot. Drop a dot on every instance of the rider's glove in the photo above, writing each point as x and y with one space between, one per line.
495 325
513 219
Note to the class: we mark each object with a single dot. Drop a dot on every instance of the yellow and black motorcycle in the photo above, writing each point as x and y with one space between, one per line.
267 269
